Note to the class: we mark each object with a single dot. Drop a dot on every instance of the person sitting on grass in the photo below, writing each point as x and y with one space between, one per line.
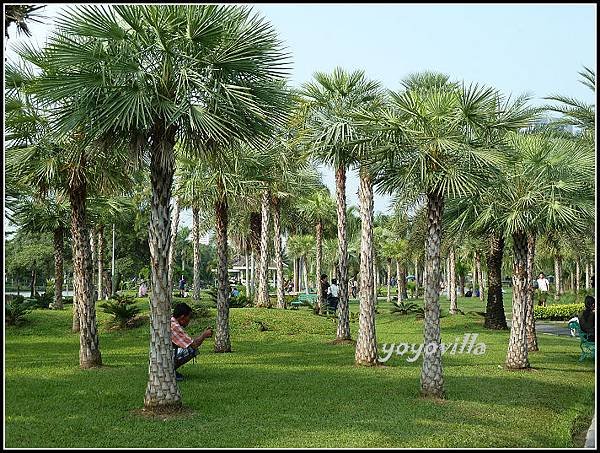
586 318
184 347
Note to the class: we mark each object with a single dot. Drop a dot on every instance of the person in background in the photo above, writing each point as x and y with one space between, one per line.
587 320
333 295
182 283
543 284
324 291
185 348
143 289
354 288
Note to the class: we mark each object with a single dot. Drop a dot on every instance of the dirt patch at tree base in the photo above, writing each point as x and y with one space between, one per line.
164 413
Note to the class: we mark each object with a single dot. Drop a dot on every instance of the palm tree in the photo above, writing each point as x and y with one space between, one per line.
433 153
318 208
21 15
549 186
156 74
328 102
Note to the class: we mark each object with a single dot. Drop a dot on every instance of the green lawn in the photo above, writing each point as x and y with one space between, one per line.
288 387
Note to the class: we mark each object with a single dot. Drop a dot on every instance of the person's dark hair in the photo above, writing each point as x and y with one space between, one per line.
589 302
323 276
181 310
334 281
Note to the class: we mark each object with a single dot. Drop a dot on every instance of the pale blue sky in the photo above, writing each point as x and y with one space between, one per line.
516 48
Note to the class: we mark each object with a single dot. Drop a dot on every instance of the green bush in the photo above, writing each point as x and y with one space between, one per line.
123 308
403 308
200 310
43 300
557 312
241 301
16 308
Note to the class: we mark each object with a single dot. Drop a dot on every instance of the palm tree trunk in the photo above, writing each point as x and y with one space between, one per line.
532 344
479 274
278 254
416 278
94 254
247 274
587 275
577 276
174 228
343 327
366 344
319 237
262 297
557 277
494 313
100 259
398 280
403 282
252 276
196 241
161 391
432 376
296 278
222 338
516 357
452 286
305 272
58 268
89 348
389 280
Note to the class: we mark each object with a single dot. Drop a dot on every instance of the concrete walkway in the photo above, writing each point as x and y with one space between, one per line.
590 439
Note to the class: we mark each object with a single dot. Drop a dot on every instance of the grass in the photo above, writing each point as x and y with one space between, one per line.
287 386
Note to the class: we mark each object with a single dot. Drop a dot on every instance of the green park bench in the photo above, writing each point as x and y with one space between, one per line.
304 299
588 348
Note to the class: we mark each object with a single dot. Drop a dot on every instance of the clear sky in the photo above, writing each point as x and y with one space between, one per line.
515 48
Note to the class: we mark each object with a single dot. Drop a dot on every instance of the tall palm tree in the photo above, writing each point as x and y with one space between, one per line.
434 152
319 209
21 16
328 102
549 186
156 74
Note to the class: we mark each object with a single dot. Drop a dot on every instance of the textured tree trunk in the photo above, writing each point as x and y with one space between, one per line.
432 376
577 276
448 277
222 338
89 348
296 279
343 327
416 278
516 357
494 313
100 259
255 237
305 273
262 297
398 280
366 344
247 260
587 275
93 254
58 268
479 274
252 276
196 241
389 280
162 392
174 228
557 277
452 286
403 282
532 344
278 253
321 295
375 279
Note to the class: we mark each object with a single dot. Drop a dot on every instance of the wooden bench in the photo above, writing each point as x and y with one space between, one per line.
304 299
588 348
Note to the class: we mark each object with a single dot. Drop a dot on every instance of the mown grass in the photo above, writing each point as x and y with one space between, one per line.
288 386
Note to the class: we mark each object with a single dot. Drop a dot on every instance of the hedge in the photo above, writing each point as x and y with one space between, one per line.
557 312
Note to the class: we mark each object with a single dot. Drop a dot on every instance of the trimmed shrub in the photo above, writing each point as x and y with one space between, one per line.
557 312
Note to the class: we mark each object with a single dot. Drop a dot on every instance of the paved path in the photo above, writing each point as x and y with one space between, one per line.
558 328
590 440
